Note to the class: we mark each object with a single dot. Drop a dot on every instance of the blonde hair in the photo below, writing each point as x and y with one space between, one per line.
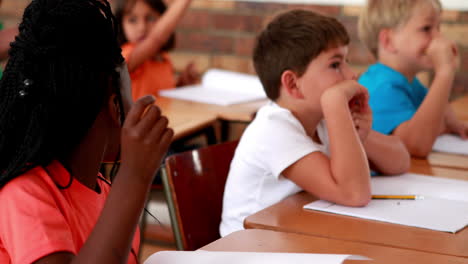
381 14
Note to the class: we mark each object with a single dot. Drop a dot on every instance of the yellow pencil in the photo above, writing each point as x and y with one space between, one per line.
397 197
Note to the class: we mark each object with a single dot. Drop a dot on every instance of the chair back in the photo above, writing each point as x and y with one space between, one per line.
194 183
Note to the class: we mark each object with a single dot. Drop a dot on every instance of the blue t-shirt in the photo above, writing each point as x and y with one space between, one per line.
393 99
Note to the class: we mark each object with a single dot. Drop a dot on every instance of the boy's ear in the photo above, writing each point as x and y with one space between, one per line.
386 40
114 109
289 81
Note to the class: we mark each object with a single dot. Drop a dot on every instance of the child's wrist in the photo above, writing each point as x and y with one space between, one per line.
332 97
445 73
445 70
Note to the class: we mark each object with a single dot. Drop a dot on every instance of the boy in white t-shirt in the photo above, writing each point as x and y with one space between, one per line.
315 133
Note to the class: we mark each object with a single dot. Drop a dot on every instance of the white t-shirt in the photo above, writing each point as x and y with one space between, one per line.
270 144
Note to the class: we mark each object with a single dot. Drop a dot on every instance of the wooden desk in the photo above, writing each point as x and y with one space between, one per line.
447 160
423 166
238 112
183 121
289 216
202 115
255 240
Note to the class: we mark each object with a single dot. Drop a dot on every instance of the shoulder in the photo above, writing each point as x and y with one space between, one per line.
272 121
31 182
379 75
127 48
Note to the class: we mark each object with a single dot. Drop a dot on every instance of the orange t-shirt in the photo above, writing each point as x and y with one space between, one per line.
151 76
37 218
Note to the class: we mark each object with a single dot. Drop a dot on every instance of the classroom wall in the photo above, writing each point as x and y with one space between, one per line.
222 33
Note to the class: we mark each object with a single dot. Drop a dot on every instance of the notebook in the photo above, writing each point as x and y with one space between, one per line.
217 257
220 87
443 208
451 144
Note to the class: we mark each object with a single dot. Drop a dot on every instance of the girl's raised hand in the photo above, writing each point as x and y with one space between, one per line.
145 139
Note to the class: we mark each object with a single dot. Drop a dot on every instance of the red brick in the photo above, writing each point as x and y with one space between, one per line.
196 19
463 16
359 54
233 63
322 9
203 42
235 22
350 23
244 46
259 8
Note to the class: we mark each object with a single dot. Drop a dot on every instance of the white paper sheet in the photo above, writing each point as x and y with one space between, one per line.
221 87
444 207
451 144
217 257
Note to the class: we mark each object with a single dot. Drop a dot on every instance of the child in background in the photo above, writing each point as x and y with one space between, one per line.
405 38
63 109
6 36
147 34
315 132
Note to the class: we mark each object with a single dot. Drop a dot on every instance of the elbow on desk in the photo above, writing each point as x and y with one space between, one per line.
356 198
419 150
401 166
360 200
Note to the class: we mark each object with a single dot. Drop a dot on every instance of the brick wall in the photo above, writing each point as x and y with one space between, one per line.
222 33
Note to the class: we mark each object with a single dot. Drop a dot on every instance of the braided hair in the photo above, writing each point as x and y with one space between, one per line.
61 72
125 6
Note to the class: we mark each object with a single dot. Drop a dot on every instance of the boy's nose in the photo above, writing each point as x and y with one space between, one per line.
436 33
349 74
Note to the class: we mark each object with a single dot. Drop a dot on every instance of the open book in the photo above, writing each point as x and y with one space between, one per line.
220 87
451 144
216 257
443 208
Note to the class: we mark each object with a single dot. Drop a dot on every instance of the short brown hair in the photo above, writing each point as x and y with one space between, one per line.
382 14
290 42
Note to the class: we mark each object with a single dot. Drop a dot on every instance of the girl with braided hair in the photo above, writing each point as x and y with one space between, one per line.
65 105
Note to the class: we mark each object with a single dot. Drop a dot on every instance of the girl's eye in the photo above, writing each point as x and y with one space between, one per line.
335 65
426 28
132 19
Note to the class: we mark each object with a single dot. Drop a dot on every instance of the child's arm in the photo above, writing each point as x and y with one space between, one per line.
387 154
189 76
344 177
453 125
145 140
158 35
420 132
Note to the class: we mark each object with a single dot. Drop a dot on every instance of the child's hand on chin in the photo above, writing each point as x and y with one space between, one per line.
362 115
444 54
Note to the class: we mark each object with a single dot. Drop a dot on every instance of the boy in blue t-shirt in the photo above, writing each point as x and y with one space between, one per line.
405 38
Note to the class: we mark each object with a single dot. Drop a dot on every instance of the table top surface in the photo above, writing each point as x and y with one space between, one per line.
257 240
289 216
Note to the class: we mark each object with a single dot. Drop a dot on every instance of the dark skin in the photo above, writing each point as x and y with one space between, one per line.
144 139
